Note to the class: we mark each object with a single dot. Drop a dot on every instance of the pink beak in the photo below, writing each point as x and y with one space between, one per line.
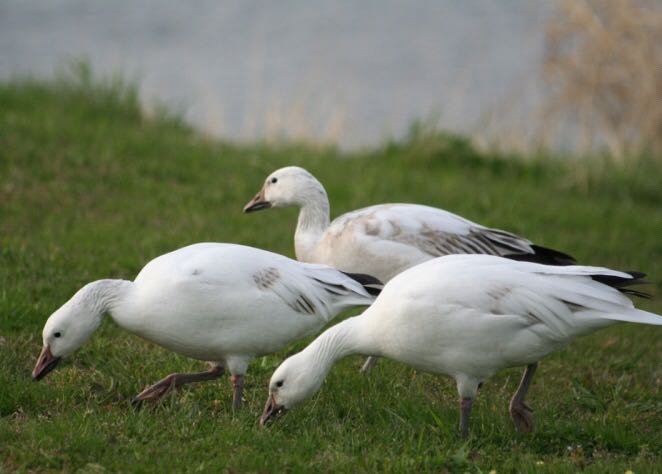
257 203
45 363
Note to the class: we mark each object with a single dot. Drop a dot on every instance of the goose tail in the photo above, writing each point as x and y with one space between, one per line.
634 316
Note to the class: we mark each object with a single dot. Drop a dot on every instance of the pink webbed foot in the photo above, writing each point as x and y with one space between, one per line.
155 392
522 416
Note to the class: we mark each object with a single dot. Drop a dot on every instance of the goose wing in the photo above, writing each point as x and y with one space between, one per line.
436 232
236 273
565 300
312 289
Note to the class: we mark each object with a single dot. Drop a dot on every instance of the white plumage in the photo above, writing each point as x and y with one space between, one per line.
216 302
467 316
385 239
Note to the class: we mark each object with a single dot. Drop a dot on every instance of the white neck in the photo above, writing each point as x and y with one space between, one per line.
105 297
313 221
345 338
88 306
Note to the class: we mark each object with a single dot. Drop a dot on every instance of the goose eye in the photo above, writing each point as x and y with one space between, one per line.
279 383
57 334
274 180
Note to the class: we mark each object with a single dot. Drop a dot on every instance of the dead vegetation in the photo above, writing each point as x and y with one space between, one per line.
603 73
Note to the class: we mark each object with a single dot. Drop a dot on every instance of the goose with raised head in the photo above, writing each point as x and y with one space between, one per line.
385 239
216 302
467 316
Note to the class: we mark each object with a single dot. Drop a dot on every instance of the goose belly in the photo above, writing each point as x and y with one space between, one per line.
213 327
382 259
466 342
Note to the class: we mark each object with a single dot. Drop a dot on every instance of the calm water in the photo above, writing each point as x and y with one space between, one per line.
349 71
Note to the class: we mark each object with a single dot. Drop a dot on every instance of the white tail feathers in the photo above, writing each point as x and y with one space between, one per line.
634 316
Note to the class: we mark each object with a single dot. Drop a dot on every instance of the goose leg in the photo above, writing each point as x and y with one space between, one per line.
465 413
161 388
520 412
237 390
467 388
369 363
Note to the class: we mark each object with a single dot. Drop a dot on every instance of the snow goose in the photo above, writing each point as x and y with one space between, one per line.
385 239
210 301
467 316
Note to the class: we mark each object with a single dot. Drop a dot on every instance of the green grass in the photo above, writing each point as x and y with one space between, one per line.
91 188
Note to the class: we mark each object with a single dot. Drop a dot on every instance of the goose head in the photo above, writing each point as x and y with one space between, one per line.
68 328
291 186
297 379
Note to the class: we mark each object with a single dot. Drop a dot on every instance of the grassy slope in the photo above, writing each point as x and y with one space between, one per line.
90 188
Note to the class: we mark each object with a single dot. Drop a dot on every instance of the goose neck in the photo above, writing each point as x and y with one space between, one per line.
109 297
313 221
344 339
314 214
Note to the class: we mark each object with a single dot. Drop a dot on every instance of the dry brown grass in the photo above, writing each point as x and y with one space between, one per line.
603 67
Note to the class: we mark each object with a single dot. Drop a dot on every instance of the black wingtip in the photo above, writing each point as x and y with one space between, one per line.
545 256
621 283
371 284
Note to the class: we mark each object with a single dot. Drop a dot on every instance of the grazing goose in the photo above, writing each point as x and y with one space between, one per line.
215 302
385 239
467 316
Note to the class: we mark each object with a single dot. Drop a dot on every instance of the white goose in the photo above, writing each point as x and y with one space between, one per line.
385 239
467 316
215 302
